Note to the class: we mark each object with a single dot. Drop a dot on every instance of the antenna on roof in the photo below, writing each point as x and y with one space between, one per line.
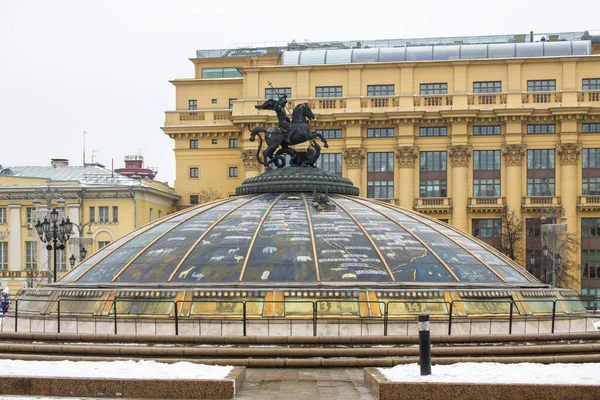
84 133
93 154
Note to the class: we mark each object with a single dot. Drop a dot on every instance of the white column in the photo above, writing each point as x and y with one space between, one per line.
14 239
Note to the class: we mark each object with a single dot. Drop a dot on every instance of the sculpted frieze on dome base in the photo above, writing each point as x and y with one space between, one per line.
249 159
568 153
460 154
354 156
406 155
513 153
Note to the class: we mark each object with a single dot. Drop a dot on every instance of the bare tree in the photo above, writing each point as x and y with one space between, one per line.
207 195
512 235
568 273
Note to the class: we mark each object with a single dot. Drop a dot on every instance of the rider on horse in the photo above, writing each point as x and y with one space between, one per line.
284 121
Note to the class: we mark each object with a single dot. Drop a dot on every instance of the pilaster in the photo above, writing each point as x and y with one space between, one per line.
407 156
459 156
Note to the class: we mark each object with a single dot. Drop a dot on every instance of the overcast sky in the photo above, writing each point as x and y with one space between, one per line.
104 66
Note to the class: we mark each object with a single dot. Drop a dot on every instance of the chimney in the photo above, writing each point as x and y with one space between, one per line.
59 162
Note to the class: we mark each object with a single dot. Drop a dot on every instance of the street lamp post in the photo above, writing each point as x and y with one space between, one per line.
56 232
48 194
82 254
532 261
545 253
554 213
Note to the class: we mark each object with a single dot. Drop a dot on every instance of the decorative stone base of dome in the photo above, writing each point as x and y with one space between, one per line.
297 179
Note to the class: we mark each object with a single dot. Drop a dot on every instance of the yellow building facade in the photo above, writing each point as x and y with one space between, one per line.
103 206
464 135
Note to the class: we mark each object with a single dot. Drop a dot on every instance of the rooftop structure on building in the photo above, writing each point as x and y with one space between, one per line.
416 49
134 168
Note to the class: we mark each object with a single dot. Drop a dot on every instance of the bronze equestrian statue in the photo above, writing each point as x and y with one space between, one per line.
286 134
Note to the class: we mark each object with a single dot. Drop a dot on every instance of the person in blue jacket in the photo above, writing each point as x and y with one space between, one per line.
5 301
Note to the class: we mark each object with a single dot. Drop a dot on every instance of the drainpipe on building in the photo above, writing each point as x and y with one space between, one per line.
132 194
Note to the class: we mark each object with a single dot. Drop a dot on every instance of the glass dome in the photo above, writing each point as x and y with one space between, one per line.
283 239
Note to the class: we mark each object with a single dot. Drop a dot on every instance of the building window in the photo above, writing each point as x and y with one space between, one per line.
330 162
483 130
329 91
380 132
102 244
380 175
92 214
215 141
275 93
194 144
61 260
533 129
487 87
103 214
2 215
211 73
115 212
194 172
590 257
590 172
380 90
29 211
548 85
540 173
213 101
192 104
331 133
231 103
486 173
533 246
151 215
233 172
591 84
590 128
159 214
30 255
233 143
489 231
432 179
3 256
433 131
193 199
433 88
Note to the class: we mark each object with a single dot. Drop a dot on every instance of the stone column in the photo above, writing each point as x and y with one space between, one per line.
569 153
251 165
459 156
513 159
354 158
14 239
406 156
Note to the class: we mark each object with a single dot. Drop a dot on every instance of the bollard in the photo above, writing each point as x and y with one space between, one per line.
424 345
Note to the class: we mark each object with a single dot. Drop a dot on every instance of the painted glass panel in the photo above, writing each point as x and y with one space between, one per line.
408 259
221 255
283 250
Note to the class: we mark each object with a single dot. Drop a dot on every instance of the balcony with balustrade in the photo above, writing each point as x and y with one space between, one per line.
537 203
433 204
486 204
588 203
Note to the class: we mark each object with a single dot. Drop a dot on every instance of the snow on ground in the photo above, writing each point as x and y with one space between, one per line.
581 374
112 369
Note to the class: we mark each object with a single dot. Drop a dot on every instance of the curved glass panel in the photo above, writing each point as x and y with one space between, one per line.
392 54
446 52
220 258
501 50
474 51
366 55
408 259
557 49
312 57
421 53
344 252
109 267
159 260
343 56
290 57
535 49
283 251
511 273
581 47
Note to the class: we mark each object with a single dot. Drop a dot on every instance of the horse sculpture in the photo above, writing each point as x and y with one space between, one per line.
275 137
